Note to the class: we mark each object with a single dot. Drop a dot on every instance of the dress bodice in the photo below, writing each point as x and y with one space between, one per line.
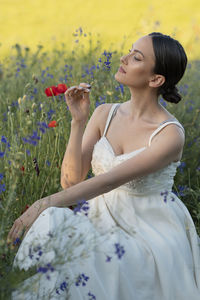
104 159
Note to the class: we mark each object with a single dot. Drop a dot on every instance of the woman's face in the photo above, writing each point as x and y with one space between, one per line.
136 68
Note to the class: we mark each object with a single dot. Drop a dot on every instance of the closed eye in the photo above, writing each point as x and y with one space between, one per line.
135 57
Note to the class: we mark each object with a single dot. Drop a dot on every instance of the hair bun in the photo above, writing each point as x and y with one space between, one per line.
171 94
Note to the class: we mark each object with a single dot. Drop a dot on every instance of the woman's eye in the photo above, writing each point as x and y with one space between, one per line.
135 57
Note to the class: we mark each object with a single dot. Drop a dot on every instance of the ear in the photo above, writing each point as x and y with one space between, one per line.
156 80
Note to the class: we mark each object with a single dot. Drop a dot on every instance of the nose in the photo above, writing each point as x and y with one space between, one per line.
124 59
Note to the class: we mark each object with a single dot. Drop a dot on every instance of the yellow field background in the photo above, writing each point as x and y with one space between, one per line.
50 22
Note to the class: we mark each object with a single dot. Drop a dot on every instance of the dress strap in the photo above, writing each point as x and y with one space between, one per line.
162 125
111 114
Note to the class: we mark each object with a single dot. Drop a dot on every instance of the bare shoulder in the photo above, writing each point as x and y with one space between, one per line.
172 133
102 112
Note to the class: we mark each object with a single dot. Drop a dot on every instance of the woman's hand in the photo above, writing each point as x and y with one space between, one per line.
23 223
78 101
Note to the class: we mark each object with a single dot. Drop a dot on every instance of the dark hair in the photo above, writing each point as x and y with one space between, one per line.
171 62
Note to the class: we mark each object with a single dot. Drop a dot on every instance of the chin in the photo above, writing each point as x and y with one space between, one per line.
119 78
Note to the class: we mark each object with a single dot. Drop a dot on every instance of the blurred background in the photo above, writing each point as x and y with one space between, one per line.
51 22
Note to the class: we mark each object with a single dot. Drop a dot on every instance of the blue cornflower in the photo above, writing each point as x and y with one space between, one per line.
92 297
5 117
3 139
42 124
163 102
42 129
50 234
35 136
48 163
43 72
35 91
50 113
31 139
82 205
181 190
108 258
63 286
45 269
165 194
2 154
2 188
15 103
81 279
50 75
17 241
182 166
121 88
57 291
42 270
28 152
1 176
119 250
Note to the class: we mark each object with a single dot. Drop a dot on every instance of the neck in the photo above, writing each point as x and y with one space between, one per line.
143 105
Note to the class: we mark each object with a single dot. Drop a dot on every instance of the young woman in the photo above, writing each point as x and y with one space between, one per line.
133 239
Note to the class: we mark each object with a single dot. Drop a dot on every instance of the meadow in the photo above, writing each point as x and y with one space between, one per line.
32 149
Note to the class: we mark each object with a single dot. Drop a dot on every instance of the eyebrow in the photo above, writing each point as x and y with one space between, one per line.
138 51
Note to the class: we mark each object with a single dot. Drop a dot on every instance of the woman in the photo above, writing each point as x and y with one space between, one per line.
137 240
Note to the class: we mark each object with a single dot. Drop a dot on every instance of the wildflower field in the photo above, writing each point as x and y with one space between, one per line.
35 128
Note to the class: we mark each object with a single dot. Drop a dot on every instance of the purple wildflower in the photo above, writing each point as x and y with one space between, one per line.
17 241
119 250
81 279
92 297
108 258
82 206
2 188
63 286
2 154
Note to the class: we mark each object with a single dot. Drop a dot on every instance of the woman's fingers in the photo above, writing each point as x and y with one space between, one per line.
16 231
77 91
85 85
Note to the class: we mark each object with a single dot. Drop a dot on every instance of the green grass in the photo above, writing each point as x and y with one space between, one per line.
24 77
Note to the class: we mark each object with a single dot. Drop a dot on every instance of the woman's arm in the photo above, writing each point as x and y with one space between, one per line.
77 160
163 151
71 169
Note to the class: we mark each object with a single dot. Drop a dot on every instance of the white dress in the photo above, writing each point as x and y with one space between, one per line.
136 242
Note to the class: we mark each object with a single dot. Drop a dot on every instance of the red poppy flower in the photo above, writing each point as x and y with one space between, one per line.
61 88
56 90
22 168
53 124
51 91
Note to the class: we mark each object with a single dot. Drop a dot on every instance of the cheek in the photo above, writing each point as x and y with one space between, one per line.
139 69
139 74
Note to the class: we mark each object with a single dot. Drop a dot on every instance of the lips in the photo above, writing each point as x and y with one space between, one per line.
121 70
